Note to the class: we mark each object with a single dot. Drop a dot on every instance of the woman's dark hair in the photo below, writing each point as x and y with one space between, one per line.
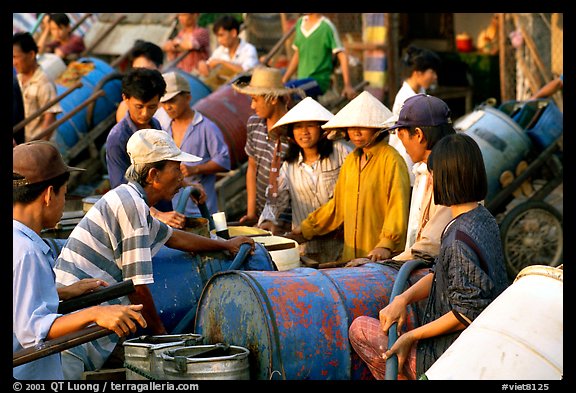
458 171
148 50
29 193
432 133
419 59
143 84
325 146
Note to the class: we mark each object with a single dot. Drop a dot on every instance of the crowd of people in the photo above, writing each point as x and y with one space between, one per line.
364 184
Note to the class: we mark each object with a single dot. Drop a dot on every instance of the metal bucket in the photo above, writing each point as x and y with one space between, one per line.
295 322
69 133
519 336
179 278
197 225
142 355
502 142
205 362
230 111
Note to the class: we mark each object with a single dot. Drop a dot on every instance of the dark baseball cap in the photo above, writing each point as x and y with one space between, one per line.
38 161
423 110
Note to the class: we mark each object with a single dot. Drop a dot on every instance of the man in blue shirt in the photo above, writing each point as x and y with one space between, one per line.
40 179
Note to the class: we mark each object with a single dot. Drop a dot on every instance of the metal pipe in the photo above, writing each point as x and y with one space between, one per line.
174 62
399 285
101 295
279 44
59 344
64 118
45 107
80 21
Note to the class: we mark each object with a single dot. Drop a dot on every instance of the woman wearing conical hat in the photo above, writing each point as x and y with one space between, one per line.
372 194
307 177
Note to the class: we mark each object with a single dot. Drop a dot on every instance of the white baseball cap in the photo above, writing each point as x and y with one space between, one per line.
149 145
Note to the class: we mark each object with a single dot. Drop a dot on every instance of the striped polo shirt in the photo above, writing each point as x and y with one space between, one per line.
115 241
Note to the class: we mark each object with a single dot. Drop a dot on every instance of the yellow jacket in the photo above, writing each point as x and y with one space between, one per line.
372 203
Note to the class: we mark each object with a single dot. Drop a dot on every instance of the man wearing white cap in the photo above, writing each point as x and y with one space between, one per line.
307 176
118 237
372 194
198 135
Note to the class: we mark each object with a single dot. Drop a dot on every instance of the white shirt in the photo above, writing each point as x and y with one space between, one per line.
403 94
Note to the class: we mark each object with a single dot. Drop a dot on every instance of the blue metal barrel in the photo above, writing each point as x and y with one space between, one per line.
502 142
179 278
295 322
69 133
198 89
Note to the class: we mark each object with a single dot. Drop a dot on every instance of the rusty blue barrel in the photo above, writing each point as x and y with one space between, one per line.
230 111
295 322
95 74
179 278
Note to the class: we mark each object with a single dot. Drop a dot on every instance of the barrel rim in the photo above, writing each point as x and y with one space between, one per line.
541 270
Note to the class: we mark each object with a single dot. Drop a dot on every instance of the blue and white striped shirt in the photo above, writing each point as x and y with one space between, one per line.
114 241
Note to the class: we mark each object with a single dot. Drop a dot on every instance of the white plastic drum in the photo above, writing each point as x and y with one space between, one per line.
52 64
519 336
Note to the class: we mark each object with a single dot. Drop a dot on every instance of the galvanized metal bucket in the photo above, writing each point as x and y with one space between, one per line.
142 355
203 362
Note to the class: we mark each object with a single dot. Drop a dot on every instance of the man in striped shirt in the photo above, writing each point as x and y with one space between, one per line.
118 237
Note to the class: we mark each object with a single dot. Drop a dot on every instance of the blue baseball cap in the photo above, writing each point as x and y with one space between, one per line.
423 110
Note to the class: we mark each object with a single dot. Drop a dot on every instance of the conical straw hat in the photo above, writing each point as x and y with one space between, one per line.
363 111
264 81
306 110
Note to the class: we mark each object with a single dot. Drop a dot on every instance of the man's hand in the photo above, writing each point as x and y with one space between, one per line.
81 287
234 244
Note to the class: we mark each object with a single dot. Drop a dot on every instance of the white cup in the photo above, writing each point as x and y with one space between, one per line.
219 221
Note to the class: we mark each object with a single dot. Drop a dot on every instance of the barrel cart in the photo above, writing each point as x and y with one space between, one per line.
521 143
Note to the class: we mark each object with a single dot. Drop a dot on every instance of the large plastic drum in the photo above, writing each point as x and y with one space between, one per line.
295 322
502 142
230 111
70 132
519 336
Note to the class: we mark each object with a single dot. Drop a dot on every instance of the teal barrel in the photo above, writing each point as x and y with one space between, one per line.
502 141
198 89
100 75
295 322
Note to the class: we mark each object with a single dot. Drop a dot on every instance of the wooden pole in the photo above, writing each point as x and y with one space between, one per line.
40 111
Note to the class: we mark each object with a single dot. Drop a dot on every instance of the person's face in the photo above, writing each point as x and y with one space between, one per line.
361 136
415 144
143 62
22 61
59 32
141 112
57 201
177 105
226 38
187 20
427 78
169 180
261 107
307 133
